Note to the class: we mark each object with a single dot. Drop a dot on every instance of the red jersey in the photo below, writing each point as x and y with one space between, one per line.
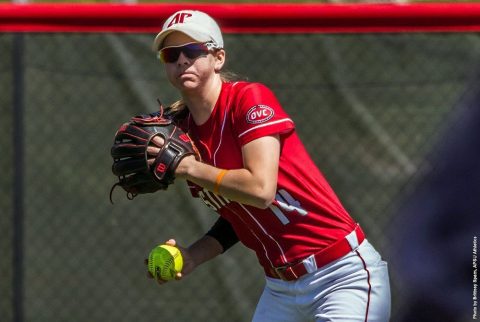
306 215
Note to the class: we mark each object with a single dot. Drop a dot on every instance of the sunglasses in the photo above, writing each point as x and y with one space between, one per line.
191 51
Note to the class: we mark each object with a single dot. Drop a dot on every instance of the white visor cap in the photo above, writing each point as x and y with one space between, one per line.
196 24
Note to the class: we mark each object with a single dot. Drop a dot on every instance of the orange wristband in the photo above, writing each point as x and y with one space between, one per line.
218 181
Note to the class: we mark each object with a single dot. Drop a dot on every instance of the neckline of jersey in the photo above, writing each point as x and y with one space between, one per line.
205 129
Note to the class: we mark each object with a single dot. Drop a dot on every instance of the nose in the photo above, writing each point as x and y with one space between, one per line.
182 59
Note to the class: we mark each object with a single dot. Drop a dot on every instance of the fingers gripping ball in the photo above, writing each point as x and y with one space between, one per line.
164 262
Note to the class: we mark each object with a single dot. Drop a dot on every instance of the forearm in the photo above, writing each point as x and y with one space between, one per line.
204 249
240 184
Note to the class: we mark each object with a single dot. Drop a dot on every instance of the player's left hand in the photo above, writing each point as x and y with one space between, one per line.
146 152
154 149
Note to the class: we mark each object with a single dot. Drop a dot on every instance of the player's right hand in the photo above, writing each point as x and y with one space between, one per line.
188 263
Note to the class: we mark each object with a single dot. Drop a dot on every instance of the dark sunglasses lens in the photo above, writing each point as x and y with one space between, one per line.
169 55
192 51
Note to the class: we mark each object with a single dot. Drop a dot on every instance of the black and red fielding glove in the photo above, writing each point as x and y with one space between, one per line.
136 175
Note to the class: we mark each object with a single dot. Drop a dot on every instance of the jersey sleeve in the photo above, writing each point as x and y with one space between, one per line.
258 113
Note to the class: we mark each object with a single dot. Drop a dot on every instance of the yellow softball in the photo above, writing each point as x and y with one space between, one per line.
164 262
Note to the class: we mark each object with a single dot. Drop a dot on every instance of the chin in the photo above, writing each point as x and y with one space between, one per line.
187 86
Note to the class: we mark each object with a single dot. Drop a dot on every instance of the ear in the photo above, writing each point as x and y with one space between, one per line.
219 56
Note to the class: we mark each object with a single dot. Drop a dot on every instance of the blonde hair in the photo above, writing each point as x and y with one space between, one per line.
226 76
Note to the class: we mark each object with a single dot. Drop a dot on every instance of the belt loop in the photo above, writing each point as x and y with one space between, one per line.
353 239
281 273
310 264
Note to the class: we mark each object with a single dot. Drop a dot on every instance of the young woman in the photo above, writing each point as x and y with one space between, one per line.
257 175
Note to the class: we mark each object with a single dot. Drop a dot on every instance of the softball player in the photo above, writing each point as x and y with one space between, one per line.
256 174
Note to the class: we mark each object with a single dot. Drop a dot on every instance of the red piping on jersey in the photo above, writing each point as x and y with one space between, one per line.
369 285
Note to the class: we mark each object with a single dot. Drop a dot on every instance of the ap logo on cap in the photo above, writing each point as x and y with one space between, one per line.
179 18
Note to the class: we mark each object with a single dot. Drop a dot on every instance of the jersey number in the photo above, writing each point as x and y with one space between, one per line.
286 203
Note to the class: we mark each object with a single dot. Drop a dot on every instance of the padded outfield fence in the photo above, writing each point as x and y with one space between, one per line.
370 87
